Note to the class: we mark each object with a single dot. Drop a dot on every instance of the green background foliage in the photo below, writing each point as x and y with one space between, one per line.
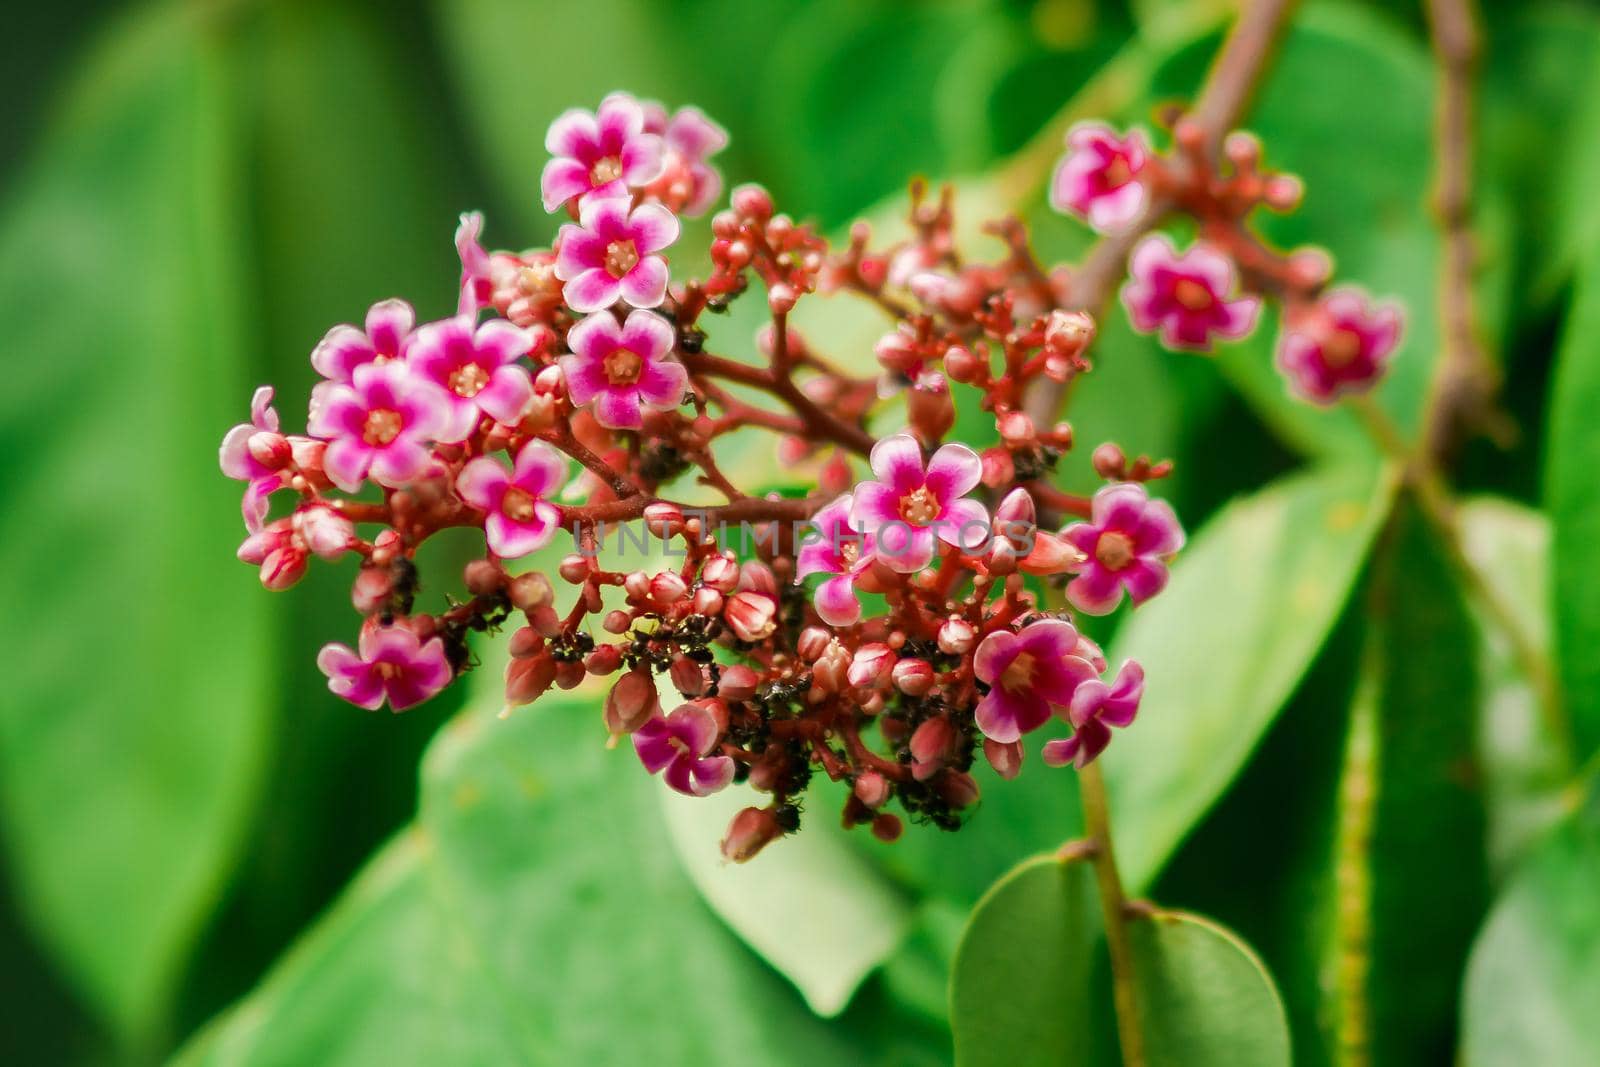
205 857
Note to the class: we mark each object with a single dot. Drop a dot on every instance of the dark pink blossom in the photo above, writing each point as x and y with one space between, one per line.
612 254
1125 545
344 348
688 183
256 452
391 665
1095 708
910 509
623 368
1099 178
520 517
844 552
680 744
599 154
1340 345
477 274
476 369
380 423
1186 297
1028 673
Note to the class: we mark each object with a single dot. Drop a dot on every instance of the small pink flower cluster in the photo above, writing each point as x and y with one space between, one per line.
1334 342
882 625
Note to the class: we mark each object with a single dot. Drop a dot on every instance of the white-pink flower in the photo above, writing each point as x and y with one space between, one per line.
623 369
910 509
256 452
519 516
1099 178
687 182
612 254
476 369
380 423
600 153
1188 297
843 552
344 347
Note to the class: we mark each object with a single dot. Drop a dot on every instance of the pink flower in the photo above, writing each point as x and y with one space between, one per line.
520 517
623 368
1342 345
687 181
680 744
1186 297
1125 546
611 255
278 551
1095 708
599 153
392 665
379 424
476 370
477 276
1027 673
255 452
1098 179
344 348
909 510
843 551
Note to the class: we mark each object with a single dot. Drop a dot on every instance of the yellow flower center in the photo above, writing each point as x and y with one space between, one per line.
621 256
517 504
1342 348
605 170
849 551
919 507
1117 172
390 670
1115 550
1018 675
1192 295
623 366
468 381
381 427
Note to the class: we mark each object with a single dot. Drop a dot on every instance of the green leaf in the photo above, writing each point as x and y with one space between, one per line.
841 917
132 722
537 913
1251 599
1572 497
1534 978
1030 985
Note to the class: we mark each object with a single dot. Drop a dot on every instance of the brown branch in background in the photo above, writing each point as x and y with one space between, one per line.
1466 380
1223 100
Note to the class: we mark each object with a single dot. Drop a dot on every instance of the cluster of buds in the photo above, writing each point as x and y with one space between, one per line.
912 615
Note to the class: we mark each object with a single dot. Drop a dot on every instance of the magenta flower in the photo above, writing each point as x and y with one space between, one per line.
520 517
691 139
344 348
909 510
475 368
844 552
601 153
379 424
255 452
1342 345
1095 708
477 279
681 745
623 368
1125 545
1098 179
611 255
1027 673
392 665
1186 297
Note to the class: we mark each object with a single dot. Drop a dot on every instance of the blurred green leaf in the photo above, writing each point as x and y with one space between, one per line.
132 726
1534 977
841 918
537 912
1251 599
1410 788
1029 984
1572 496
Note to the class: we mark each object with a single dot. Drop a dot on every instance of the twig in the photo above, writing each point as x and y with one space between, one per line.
1113 905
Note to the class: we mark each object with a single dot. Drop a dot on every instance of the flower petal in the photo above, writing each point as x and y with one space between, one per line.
897 461
482 483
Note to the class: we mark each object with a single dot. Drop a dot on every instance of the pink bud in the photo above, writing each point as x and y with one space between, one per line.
930 409
750 831
1006 759
570 674
1016 428
707 602
1109 461
529 591
813 642
663 519
961 364
636 585
956 636
757 577
871 666
632 702
720 573
872 789
958 789
528 678
834 478
1069 332
930 744
1017 507
270 449
828 673
482 577
752 201
737 682
283 568
751 615
1050 555
605 659
373 586
325 531
667 588
688 677
524 642
913 677
573 568
781 298
887 827
545 620
999 469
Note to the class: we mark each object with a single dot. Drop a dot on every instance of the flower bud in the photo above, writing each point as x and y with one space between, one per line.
283 567
828 673
887 827
545 620
574 568
707 602
1001 559
958 789
750 831
372 587
667 588
834 478
664 519
605 659
930 409
270 449
752 201
720 573
530 590
956 636
636 585
632 702
1016 428
961 364
781 298
569 674
1050 554
482 577
1069 332
751 616
999 469
1006 759
872 789
688 677
913 677
813 642
1109 461
528 678
737 682
525 641
325 531
1017 507
871 666
757 577
930 745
